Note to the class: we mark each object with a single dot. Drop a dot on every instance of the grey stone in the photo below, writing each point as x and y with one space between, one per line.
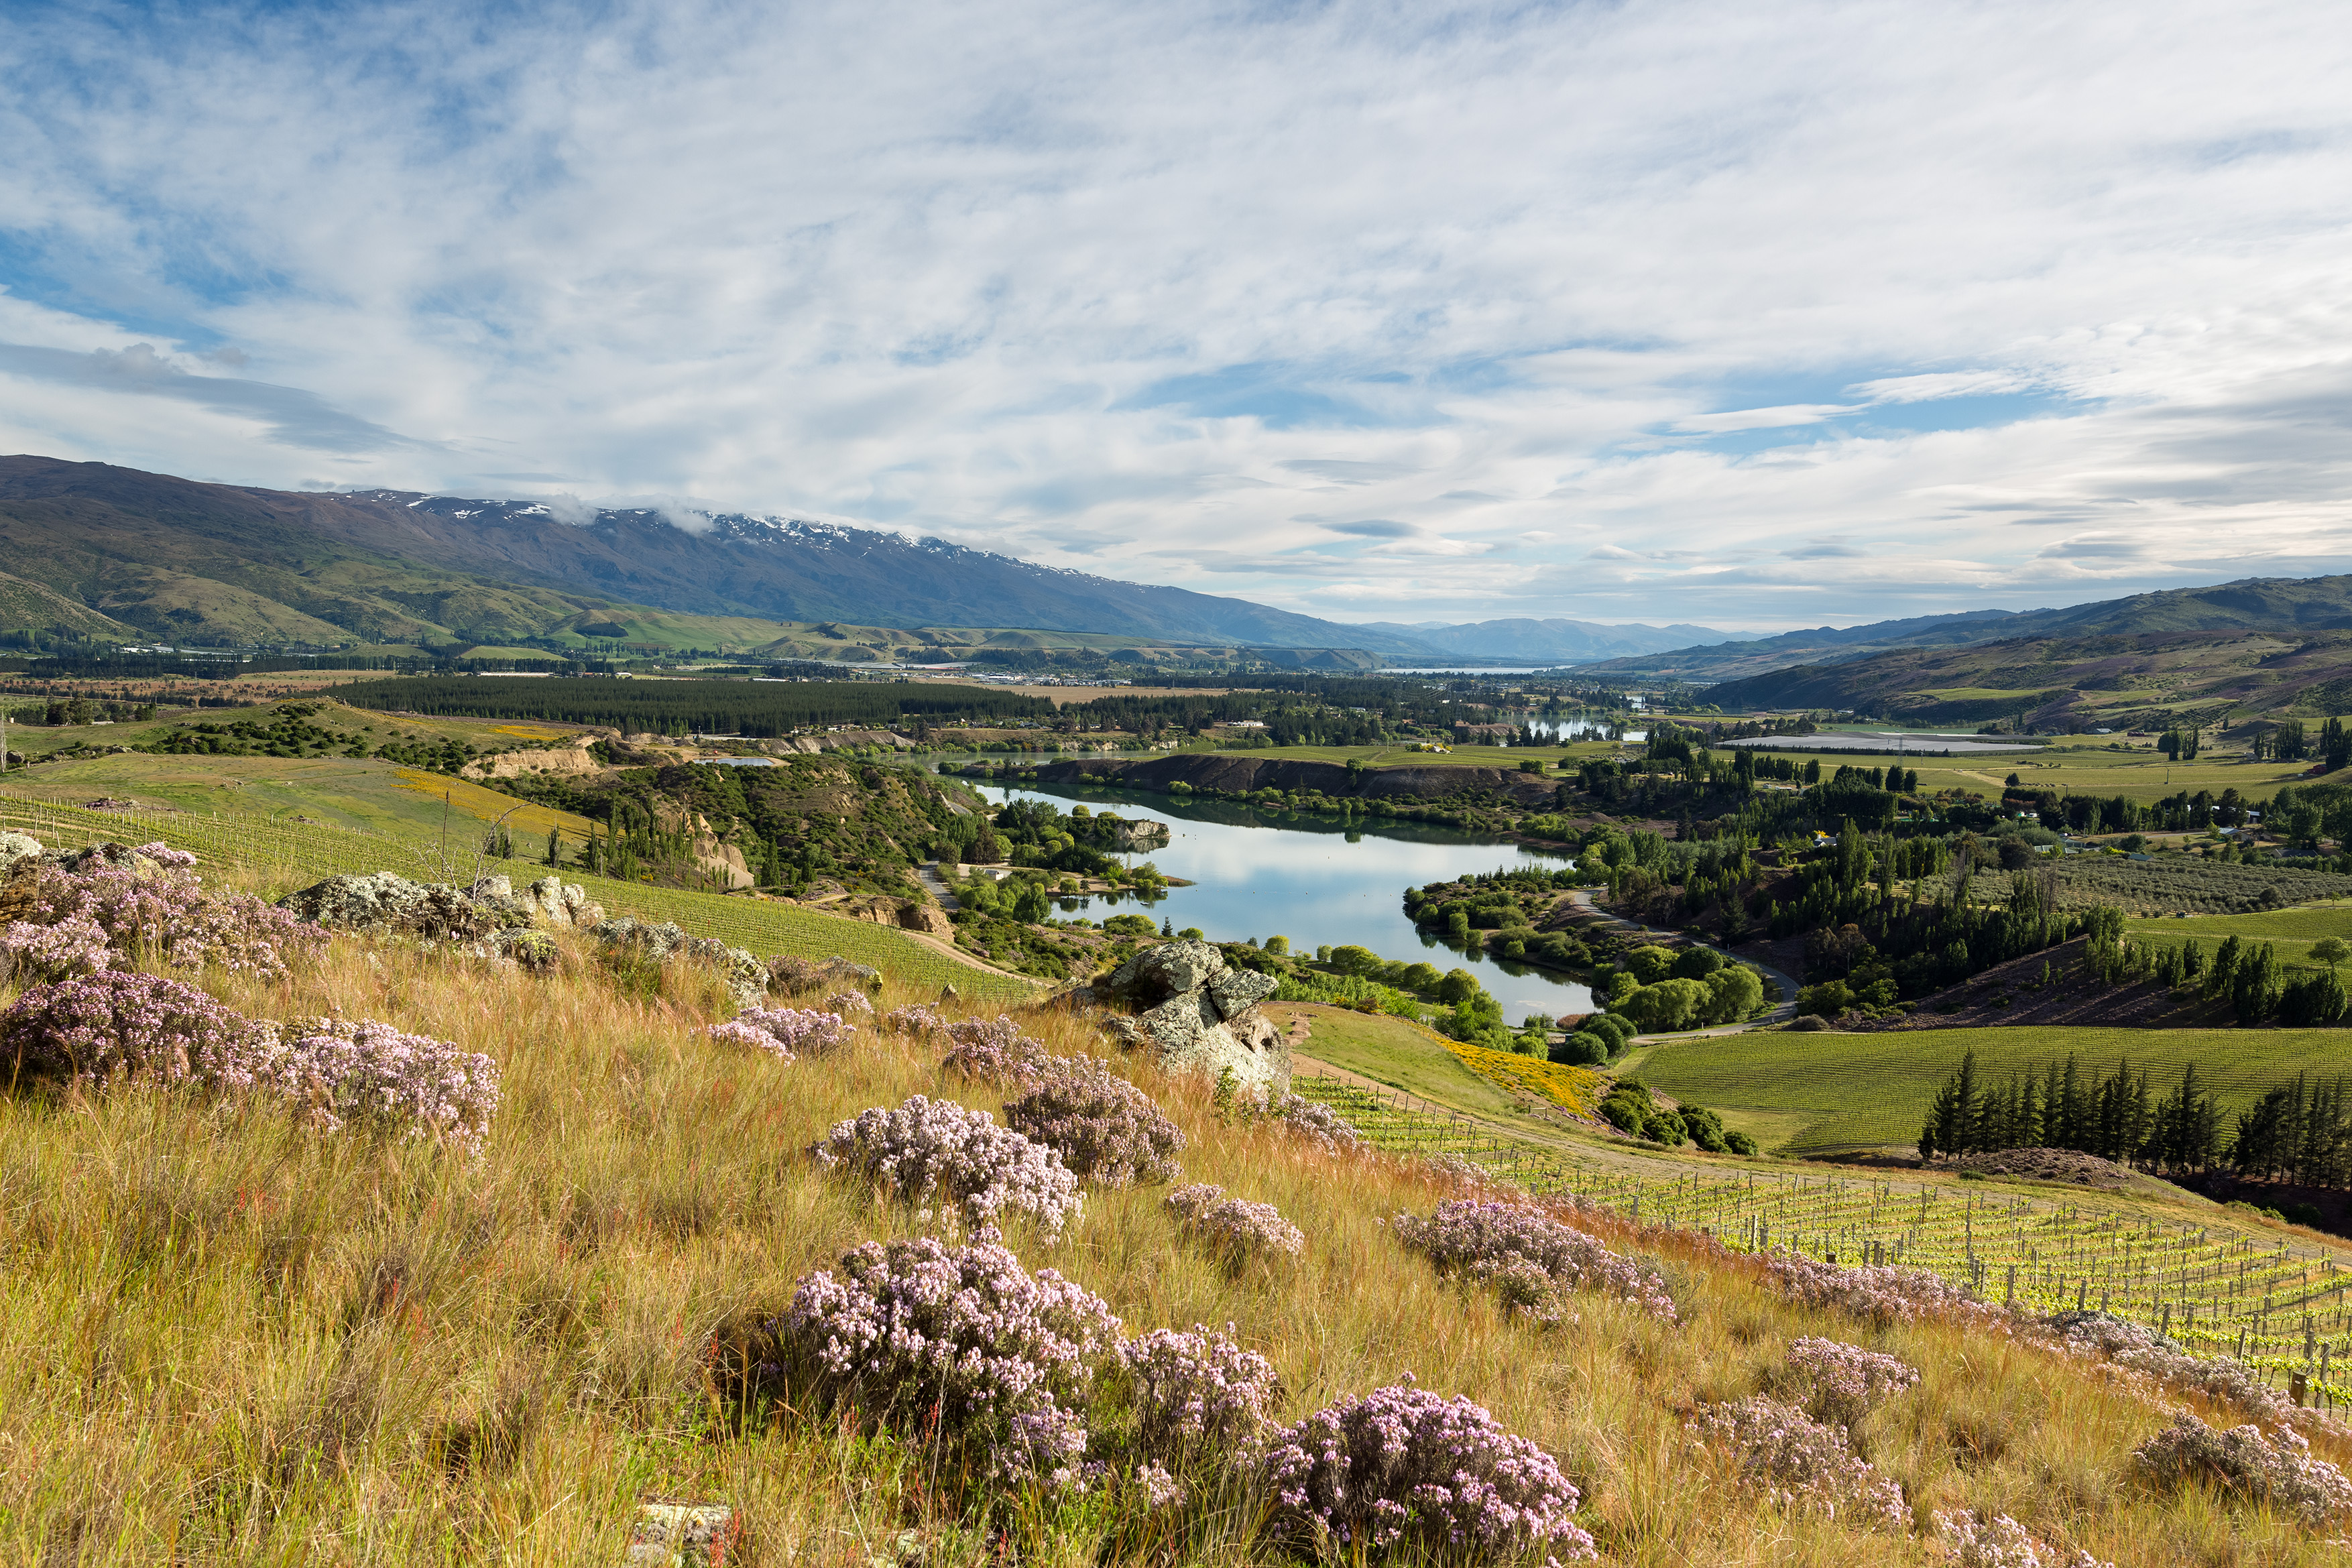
1197 1016
1168 969
746 977
387 903
15 847
1238 990
791 977
681 1535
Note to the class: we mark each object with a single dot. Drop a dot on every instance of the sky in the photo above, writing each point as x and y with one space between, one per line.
1753 315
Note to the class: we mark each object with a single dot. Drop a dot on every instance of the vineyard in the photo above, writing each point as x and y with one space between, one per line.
2277 1305
289 855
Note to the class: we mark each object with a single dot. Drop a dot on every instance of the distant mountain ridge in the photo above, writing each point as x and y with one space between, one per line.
2308 603
1550 642
177 558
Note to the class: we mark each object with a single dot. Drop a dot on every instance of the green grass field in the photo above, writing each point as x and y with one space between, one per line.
1828 1093
2291 931
1391 1050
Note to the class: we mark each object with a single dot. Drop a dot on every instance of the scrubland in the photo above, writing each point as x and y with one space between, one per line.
224 1338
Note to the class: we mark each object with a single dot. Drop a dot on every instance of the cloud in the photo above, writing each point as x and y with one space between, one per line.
1375 529
288 415
1155 293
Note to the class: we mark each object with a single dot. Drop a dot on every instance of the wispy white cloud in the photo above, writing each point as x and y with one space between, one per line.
1175 294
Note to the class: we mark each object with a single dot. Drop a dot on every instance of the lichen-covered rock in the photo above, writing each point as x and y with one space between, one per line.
791 977
746 977
389 903
15 847
550 901
1197 1015
534 950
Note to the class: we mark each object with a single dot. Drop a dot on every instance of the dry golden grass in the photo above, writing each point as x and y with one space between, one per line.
222 1340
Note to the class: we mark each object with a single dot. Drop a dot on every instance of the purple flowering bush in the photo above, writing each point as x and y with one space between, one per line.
850 1007
2241 1462
784 1034
1401 1470
332 1073
922 1022
1840 1384
148 903
962 1340
1105 1128
1234 1228
37 955
344 1071
121 1023
1319 1124
1971 1540
995 1052
1200 1400
1882 1295
936 1149
1531 1258
1799 1462
2142 1350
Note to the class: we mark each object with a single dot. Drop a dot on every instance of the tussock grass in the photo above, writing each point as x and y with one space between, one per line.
225 1341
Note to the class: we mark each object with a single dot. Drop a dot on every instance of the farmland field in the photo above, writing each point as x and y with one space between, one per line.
1855 1092
2291 931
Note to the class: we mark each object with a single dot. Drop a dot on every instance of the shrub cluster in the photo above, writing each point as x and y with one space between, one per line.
333 1072
922 1022
1235 1229
1403 1472
994 1052
2280 1470
1000 1359
1840 1384
849 1006
339 1072
109 907
936 1149
1319 1124
1105 1128
1799 1463
2000 1542
1880 1294
1530 1257
785 1033
2145 1351
1200 1400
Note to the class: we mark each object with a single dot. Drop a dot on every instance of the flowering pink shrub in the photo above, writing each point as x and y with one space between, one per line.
849 1006
2280 1472
785 1033
1319 1124
994 1052
167 914
1004 1358
1233 1227
1529 1256
1402 1470
2145 1351
331 1072
922 1022
164 855
340 1072
40 953
1971 1542
1840 1384
929 1149
1798 1462
1200 1398
1884 1295
1105 1128
122 1022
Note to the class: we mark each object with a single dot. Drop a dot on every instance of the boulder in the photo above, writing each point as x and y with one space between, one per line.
1196 1015
551 901
929 917
15 847
389 903
746 977
791 977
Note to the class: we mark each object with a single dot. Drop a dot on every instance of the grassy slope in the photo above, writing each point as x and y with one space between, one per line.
2139 774
228 1341
1825 1092
2290 931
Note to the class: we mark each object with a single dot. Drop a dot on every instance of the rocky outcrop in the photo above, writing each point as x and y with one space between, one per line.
574 757
489 919
746 977
15 847
1197 1015
550 901
791 976
1137 833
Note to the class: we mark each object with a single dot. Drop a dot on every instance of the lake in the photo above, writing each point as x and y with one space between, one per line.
1265 873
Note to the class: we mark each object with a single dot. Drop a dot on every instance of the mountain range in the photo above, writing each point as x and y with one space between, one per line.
114 552
1531 642
2310 603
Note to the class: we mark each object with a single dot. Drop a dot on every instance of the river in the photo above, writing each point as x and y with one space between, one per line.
1265 873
